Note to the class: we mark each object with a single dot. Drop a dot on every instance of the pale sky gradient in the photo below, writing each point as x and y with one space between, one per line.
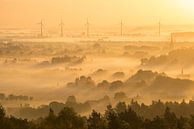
26 13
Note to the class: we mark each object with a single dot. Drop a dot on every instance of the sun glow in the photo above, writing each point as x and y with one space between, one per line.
187 5
24 13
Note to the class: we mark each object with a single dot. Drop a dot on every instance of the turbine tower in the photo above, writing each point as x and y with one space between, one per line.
121 29
159 28
62 25
88 28
41 28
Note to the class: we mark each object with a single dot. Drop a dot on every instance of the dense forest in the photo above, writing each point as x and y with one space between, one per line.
122 116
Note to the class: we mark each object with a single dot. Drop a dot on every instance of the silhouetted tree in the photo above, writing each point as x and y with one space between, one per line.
121 107
68 119
170 119
131 118
50 121
156 123
96 121
112 118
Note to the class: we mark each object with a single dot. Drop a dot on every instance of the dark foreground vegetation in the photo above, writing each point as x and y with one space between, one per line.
120 117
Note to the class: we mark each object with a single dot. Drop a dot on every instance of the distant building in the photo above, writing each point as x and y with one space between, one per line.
183 75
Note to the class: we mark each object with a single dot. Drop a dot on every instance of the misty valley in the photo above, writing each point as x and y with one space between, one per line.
92 74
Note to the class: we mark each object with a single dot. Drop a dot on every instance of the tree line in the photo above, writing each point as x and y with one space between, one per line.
122 116
15 97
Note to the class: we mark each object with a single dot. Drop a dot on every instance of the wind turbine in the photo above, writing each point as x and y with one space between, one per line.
121 29
88 28
41 28
62 25
159 28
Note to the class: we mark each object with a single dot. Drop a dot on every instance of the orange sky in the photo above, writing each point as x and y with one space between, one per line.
26 13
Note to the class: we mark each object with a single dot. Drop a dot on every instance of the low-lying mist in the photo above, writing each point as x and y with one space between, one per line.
93 74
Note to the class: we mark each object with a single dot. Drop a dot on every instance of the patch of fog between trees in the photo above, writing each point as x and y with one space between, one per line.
143 86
